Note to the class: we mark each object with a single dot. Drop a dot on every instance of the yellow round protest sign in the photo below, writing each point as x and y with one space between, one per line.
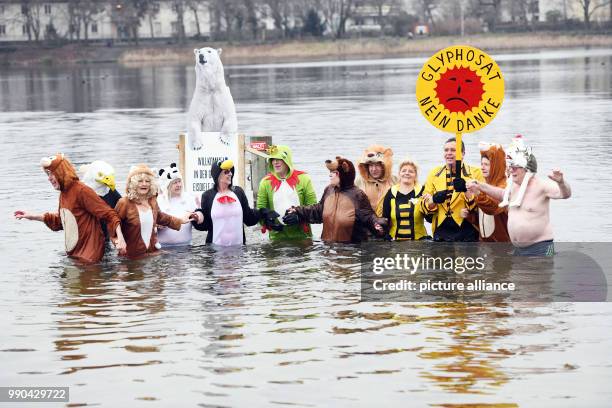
460 89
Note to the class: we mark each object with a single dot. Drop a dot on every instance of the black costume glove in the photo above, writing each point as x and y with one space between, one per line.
270 219
291 218
459 185
441 196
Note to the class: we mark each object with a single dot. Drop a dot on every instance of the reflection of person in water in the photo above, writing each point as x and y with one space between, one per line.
468 363
528 200
79 215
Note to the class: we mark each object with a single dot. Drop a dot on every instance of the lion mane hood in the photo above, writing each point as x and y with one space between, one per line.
376 154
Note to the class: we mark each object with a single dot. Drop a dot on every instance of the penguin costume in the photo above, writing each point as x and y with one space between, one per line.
225 213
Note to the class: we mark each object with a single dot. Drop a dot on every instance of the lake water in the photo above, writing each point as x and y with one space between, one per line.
282 324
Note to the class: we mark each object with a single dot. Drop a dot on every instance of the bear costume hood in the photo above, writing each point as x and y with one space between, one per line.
497 157
376 154
345 169
62 169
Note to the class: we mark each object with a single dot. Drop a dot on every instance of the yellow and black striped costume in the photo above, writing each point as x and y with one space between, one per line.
404 213
447 224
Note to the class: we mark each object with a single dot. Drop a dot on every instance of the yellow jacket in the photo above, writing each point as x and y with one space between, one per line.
405 227
436 181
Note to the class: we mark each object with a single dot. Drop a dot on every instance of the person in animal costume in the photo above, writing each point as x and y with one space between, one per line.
490 218
100 176
375 173
344 209
445 197
528 200
282 188
225 209
401 206
139 213
79 214
174 201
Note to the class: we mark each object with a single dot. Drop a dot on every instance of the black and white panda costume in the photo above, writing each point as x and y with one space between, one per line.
175 206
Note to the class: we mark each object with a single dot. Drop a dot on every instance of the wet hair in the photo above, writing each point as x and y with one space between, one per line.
453 139
132 186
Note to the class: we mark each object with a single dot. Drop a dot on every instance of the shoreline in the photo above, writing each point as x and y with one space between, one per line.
291 51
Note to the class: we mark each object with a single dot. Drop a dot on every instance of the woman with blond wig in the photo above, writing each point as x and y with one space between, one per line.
139 213
400 205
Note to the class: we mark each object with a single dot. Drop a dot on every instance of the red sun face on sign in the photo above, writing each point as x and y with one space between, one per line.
459 89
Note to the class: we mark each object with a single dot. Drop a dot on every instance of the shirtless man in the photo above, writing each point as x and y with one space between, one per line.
528 199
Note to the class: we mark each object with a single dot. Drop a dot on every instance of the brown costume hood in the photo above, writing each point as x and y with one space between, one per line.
497 157
62 169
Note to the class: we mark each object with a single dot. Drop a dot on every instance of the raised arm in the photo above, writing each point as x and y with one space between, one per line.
560 189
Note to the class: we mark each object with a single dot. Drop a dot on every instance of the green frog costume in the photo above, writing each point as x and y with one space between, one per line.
280 194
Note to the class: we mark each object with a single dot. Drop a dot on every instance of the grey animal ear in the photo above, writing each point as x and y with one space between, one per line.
195 51
172 165
219 51
161 171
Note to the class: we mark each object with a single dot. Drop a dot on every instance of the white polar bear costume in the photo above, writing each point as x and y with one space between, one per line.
212 108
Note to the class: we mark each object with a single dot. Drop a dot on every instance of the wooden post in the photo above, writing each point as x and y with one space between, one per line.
181 148
240 167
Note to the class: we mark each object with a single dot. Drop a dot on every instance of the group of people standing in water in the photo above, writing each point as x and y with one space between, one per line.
494 202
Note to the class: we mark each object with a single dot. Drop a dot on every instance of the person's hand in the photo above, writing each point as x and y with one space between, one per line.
459 185
441 196
196 217
291 217
473 187
20 214
121 246
464 213
557 176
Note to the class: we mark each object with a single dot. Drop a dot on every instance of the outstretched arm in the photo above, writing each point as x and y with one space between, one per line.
20 214
494 192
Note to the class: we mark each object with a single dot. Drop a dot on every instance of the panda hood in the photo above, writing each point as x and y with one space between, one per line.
166 176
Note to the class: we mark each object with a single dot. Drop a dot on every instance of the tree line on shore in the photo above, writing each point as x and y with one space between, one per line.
245 20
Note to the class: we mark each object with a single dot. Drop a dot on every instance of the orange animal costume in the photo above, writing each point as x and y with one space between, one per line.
492 221
130 217
79 214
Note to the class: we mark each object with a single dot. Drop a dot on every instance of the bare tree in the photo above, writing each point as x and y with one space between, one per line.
178 6
589 7
427 8
384 9
31 11
494 11
336 13
127 15
150 14
83 13
194 7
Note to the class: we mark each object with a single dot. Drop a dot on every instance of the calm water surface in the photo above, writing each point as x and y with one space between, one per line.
281 324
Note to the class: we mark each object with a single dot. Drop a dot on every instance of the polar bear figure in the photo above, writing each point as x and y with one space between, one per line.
212 108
